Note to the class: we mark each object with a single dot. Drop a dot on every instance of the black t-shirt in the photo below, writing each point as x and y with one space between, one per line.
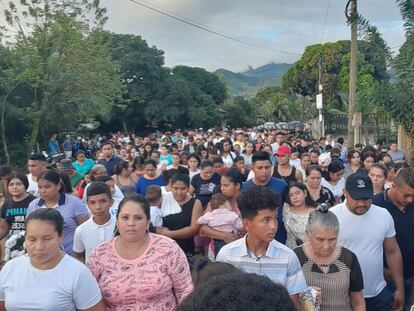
15 213
179 221
204 188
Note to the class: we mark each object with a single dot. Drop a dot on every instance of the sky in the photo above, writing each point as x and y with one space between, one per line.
276 25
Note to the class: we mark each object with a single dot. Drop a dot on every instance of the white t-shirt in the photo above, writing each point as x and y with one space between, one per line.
338 189
364 235
67 287
156 216
33 187
89 235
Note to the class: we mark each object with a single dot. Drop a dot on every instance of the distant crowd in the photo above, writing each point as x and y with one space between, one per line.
190 220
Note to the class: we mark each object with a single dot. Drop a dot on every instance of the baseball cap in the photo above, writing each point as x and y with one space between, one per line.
359 186
283 150
324 159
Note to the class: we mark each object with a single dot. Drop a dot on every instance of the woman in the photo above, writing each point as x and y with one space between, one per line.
305 161
391 173
314 156
226 153
70 207
378 174
13 211
124 178
230 186
319 193
193 164
203 184
151 177
367 159
138 270
330 267
132 154
238 163
283 170
182 226
334 179
354 163
248 154
296 213
82 164
47 279
147 150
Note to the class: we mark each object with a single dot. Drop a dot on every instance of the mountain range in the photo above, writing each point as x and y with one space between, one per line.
247 83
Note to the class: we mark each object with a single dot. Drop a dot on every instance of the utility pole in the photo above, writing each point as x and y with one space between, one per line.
351 14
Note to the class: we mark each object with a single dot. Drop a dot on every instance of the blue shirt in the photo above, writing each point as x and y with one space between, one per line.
143 183
279 263
279 186
109 165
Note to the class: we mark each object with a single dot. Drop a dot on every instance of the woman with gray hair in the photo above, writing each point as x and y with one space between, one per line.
330 267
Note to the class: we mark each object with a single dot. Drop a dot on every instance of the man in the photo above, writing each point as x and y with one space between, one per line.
109 158
398 200
67 147
279 139
262 169
257 252
368 231
395 154
53 145
36 166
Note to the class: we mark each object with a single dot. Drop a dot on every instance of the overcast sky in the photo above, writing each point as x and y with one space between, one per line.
288 25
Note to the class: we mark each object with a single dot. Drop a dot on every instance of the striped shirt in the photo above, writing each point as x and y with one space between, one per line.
279 263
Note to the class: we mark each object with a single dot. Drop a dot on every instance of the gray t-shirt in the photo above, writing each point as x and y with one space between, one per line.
397 155
72 209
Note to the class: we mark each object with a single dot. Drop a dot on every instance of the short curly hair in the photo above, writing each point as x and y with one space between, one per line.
257 198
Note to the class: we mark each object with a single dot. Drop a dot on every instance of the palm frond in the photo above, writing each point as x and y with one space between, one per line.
407 13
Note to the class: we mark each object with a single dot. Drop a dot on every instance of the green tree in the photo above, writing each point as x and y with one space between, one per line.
62 62
402 108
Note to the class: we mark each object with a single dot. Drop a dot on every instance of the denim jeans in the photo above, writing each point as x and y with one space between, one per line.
381 302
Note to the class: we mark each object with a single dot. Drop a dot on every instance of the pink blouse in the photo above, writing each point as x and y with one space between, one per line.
158 280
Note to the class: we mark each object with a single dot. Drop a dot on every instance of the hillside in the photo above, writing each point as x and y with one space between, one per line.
248 82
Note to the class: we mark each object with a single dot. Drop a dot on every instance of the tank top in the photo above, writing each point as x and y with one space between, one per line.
126 189
179 221
289 178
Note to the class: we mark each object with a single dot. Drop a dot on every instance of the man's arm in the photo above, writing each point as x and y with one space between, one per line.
394 260
79 256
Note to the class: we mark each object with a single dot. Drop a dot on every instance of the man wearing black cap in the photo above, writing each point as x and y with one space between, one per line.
368 231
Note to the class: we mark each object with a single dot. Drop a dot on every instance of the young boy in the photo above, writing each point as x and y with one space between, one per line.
154 196
100 227
222 218
258 252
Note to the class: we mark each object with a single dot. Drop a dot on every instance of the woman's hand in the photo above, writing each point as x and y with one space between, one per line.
163 231
229 237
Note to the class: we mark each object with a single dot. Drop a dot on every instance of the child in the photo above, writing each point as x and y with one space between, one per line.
100 227
154 196
222 218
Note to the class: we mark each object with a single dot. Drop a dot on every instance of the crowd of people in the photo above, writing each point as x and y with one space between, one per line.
209 220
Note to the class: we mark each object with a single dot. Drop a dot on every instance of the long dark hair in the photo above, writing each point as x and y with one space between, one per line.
135 198
308 199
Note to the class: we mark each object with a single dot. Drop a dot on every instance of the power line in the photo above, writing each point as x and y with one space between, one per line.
205 28
325 20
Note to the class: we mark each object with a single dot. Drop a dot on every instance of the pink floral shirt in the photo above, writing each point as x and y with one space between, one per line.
158 280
